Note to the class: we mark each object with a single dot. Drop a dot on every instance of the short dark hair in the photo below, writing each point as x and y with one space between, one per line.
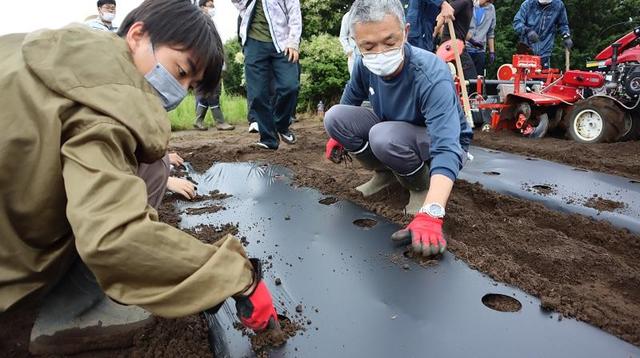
203 3
105 2
181 25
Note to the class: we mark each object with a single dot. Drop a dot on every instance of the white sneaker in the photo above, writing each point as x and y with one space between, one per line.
253 127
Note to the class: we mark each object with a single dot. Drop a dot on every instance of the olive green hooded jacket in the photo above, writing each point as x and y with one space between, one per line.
76 118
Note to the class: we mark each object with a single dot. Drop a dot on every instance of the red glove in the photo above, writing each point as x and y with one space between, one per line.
256 310
425 233
334 151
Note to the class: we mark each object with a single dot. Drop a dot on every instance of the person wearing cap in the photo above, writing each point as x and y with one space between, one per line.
537 23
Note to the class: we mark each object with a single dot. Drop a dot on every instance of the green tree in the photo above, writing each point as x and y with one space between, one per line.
232 76
324 72
322 16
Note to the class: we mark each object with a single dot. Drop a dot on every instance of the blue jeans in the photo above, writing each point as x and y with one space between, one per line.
479 61
262 62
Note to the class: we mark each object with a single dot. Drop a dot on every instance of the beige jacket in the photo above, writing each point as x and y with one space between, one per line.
76 119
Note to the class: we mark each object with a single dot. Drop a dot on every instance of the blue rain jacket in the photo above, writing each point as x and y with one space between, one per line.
545 20
421 16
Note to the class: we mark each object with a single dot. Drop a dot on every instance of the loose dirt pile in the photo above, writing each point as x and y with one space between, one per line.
621 158
602 204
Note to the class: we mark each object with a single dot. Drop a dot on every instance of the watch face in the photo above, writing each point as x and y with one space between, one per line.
435 210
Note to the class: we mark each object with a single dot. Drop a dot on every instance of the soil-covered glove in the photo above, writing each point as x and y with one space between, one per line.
334 151
425 233
567 42
492 57
256 310
533 36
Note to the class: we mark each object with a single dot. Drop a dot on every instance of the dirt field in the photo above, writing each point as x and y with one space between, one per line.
612 158
579 267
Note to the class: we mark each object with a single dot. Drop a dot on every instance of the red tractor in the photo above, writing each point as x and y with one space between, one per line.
593 106
612 112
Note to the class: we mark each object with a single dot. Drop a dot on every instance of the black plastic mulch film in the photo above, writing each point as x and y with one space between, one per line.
361 297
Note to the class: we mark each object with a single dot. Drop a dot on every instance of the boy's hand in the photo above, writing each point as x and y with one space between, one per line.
182 187
292 54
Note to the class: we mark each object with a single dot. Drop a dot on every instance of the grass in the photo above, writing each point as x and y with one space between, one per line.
234 109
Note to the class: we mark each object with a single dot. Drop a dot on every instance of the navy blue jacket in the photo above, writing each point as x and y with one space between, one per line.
423 94
545 20
421 16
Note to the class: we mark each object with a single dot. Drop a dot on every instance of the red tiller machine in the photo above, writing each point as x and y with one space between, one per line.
533 100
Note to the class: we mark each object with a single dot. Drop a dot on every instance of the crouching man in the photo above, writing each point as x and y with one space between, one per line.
415 134
81 110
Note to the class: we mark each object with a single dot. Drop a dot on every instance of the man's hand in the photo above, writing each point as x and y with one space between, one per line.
292 54
567 42
255 309
533 36
446 13
334 151
492 57
182 187
175 159
425 233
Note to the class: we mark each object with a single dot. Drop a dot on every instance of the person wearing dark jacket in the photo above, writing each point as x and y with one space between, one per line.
537 23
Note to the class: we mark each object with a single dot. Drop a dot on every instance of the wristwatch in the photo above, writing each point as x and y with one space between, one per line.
434 210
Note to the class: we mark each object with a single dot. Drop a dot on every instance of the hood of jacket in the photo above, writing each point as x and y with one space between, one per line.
96 69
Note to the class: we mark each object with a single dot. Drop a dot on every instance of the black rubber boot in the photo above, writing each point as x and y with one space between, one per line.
382 176
201 112
418 186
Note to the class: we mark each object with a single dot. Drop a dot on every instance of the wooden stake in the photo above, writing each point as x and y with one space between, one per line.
463 84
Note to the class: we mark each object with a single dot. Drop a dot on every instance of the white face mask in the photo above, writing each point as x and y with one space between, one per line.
108 16
212 12
384 63
545 2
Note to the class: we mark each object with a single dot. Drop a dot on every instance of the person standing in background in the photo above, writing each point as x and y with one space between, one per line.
422 16
270 32
463 12
537 22
346 40
106 15
212 101
481 34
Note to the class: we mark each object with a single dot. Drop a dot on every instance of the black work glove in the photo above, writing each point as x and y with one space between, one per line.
533 36
568 43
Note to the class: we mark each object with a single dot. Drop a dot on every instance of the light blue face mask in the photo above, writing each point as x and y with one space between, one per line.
168 88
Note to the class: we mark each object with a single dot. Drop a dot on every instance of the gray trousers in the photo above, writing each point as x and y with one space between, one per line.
401 146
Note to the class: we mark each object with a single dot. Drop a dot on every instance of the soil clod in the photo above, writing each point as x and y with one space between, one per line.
328 201
365 223
602 204
502 303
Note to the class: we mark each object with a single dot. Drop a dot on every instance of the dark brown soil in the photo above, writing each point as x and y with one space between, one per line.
602 204
578 266
328 201
205 210
262 342
365 223
501 303
613 158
